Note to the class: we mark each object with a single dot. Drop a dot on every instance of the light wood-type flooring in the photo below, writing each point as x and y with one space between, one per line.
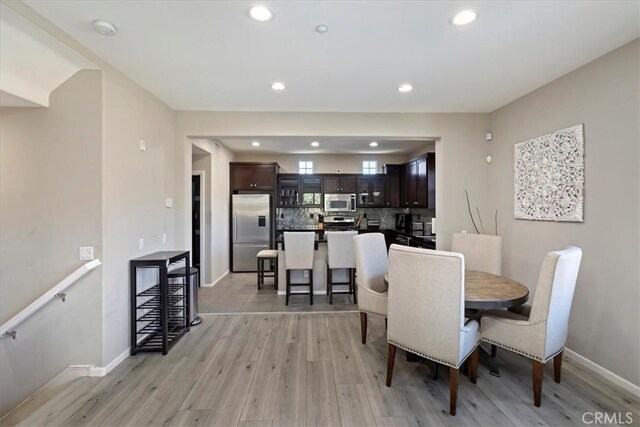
311 369
238 293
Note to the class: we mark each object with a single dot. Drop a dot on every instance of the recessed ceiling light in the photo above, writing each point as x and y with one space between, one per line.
322 28
405 87
464 17
373 144
315 144
261 13
278 86
255 144
105 28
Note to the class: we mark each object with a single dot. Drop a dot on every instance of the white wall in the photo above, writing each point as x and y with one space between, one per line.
460 156
604 95
218 193
324 163
50 205
135 186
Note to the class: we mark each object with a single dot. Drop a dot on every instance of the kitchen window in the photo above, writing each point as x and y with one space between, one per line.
305 167
369 167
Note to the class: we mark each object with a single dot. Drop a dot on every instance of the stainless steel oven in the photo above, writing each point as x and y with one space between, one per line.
339 202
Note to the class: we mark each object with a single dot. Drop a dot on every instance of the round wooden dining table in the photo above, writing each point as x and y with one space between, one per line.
484 291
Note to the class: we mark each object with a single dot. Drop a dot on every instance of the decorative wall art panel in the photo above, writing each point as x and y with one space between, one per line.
549 177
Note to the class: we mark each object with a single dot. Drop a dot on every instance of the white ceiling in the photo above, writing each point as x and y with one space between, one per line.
208 55
328 145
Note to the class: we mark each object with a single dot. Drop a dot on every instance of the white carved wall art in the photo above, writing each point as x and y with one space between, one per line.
549 177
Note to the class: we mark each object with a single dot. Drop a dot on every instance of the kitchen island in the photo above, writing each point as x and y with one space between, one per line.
320 256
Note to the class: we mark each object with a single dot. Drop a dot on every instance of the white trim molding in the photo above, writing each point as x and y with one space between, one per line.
211 285
602 372
97 371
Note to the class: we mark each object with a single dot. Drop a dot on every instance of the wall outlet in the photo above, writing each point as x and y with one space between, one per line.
142 145
164 238
305 274
141 243
86 253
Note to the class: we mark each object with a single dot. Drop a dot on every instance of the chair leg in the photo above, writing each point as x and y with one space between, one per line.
352 279
275 277
453 390
288 285
473 365
328 279
363 326
330 284
311 286
557 367
538 371
494 350
258 273
391 358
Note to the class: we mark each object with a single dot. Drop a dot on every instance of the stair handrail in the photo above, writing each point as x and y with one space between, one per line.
7 328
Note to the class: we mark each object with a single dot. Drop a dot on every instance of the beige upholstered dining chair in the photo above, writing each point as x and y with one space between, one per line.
371 266
340 255
426 312
539 332
482 252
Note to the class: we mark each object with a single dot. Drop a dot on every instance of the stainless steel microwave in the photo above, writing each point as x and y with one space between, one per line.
339 202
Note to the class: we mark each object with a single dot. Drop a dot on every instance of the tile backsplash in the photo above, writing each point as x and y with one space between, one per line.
296 218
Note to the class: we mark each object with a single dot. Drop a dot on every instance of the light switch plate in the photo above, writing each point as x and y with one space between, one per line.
168 202
142 145
141 244
86 253
164 238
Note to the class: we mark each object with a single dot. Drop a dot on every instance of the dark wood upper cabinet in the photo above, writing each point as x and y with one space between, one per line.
253 176
311 191
431 180
288 191
371 191
392 186
339 184
418 182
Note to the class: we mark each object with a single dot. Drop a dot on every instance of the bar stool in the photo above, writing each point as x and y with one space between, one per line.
267 255
298 255
341 256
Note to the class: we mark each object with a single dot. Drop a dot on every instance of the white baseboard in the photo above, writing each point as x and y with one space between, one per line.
97 371
67 375
602 372
211 285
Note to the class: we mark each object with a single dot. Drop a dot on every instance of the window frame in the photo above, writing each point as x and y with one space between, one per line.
369 167
305 167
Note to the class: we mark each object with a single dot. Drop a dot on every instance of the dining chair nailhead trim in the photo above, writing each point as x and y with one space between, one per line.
435 359
524 353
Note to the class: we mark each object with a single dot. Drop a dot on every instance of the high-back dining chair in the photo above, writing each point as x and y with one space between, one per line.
340 255
299 248
541 334
426 312
482 252
371 265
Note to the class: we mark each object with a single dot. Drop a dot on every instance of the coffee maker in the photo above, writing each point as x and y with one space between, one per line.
403 222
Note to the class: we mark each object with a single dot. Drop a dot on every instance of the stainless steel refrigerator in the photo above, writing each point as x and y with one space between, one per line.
250 229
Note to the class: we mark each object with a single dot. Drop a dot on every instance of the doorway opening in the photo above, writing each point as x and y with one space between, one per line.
196 225
201 226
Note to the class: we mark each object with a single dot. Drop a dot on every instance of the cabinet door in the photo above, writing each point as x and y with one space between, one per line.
431 180
331 184
264 177
421 182
409 184
377 188
392 186
364 196
288 188
311 191
242 177
348 184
